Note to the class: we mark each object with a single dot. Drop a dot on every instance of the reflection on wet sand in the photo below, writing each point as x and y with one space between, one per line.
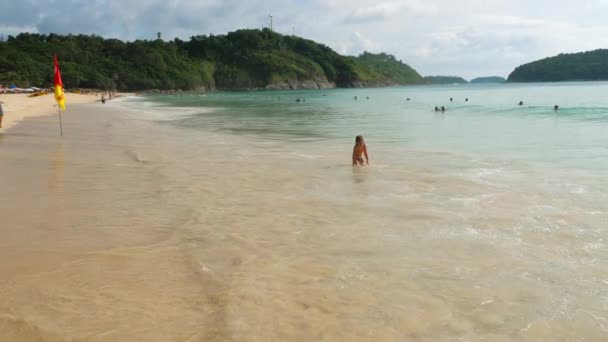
56 180
359 174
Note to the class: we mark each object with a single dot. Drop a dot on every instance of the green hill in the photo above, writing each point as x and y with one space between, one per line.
443 80
583 66
244 59
390 67
489 79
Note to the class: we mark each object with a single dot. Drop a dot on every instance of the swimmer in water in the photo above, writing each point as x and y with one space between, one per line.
359 151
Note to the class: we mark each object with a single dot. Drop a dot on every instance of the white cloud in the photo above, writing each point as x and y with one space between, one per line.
467 37
386 10
355 44
508 21
376 12
6 30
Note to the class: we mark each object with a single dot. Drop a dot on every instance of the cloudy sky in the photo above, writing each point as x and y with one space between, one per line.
468 38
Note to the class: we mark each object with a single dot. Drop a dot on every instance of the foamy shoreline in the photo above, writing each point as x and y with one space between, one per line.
19 106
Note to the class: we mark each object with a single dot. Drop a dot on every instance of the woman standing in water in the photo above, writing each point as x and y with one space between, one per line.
359 151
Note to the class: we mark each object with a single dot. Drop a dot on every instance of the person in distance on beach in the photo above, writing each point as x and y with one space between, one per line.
359 151
1 113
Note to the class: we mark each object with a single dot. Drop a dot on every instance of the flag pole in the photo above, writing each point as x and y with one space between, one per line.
60 120
59 94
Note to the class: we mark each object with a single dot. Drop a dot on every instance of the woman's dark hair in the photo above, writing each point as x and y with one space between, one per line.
358 139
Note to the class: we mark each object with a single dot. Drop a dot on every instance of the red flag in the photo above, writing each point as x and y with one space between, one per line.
59 86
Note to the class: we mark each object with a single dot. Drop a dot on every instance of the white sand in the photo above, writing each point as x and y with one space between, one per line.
18 106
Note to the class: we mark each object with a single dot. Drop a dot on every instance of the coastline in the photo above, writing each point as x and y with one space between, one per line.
18 107
75 262
130 227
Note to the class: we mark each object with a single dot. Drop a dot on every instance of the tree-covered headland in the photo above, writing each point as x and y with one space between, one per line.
444 80
244 59
488 79
388 66
583 66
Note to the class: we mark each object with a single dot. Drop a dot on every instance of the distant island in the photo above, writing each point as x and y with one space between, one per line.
489 79
244 59
444 80
583 66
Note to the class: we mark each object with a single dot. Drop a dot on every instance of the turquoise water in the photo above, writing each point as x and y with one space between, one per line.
239 217
489 125
486 222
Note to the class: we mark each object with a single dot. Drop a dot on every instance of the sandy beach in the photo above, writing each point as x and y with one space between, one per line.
135 227
84 243
19 106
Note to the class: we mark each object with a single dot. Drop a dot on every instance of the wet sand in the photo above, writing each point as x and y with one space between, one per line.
92 247
129 230
19 106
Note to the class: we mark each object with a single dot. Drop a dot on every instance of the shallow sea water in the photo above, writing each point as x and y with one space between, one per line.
237 216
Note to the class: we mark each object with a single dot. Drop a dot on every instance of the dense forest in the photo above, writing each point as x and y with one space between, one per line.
583 66
444 80
489 79
244 59
390 67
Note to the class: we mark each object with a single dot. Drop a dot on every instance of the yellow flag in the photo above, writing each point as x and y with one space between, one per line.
59 96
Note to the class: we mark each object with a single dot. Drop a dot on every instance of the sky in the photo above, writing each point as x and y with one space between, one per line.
467 38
